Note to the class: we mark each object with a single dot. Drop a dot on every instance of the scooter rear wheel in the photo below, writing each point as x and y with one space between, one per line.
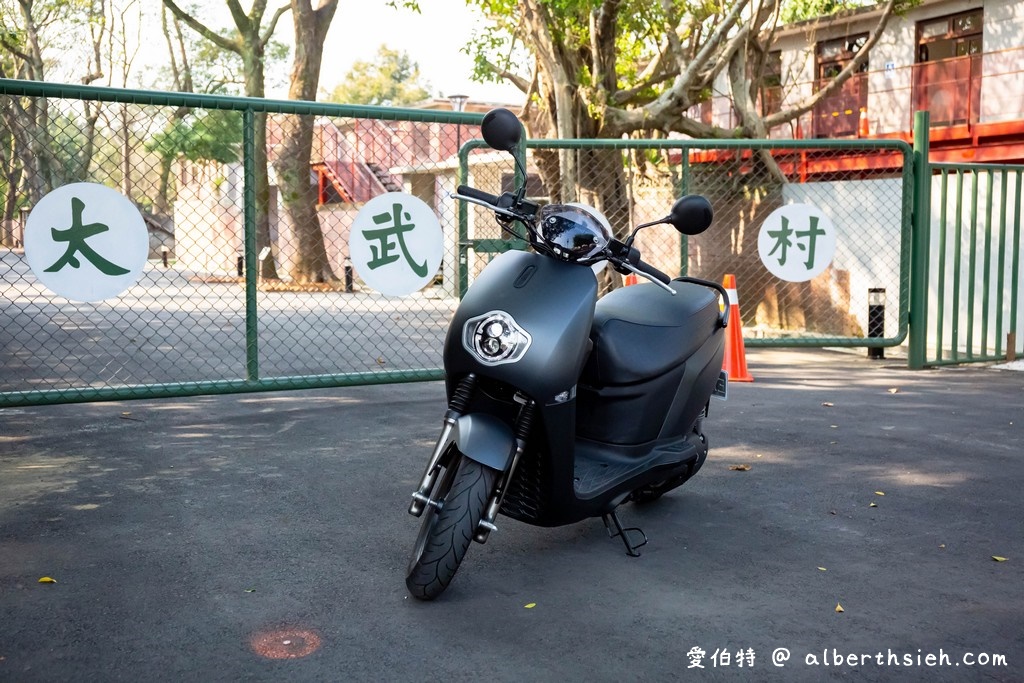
445 534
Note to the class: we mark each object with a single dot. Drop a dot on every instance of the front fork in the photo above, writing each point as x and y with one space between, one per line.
456 407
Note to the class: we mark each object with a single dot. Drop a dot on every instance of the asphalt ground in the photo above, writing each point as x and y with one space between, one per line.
198 539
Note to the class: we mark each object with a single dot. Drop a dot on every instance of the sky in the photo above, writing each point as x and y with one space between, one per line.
433 38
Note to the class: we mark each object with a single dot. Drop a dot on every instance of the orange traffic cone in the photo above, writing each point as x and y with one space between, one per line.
631 279
862 124
735 363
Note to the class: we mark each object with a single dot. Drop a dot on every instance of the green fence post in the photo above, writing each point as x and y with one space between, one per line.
252 356
462 218
920 243
684 189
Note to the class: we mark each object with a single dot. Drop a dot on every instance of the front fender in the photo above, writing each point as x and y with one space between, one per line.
485 439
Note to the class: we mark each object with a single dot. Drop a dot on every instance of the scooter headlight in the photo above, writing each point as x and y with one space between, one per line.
495 338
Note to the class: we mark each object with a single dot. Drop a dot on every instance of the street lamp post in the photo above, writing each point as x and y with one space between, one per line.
458 104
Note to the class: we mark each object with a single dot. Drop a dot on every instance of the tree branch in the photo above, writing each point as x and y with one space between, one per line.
203 30
860 58
272 26
515 79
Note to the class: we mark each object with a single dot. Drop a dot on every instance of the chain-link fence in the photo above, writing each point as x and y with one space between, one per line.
863 188
248 283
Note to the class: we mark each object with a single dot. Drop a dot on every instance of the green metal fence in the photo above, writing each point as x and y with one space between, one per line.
208 315
974 285
634 181
226 304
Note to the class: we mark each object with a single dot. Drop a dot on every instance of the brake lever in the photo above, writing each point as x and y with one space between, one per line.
486 205
619 253
637 271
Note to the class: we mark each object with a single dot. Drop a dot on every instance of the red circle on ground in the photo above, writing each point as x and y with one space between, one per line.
285 643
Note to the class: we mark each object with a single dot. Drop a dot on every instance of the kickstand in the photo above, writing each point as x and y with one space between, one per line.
631 548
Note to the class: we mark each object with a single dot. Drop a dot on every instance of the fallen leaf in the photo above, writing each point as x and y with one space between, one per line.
872 505
879 493
894 390
250 590
758 455
834 426
822 569
942 545
47 579
831 512
994 557
839 608
530 605
739 468
380 360
827 404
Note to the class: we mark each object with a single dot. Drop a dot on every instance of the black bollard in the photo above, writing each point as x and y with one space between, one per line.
348 275
876 320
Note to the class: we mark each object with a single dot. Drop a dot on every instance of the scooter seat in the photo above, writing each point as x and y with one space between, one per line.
641 331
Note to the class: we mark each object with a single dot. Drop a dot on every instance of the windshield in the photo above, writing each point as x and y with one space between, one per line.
573 232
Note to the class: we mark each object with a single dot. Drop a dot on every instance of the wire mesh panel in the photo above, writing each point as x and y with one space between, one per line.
865 195
861 187
180 321
248 283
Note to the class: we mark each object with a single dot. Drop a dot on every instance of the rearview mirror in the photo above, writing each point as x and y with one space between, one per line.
501 130
691 215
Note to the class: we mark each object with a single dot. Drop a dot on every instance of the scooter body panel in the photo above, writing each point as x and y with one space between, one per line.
551 300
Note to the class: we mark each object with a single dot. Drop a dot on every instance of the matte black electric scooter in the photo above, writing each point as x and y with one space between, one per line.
562 406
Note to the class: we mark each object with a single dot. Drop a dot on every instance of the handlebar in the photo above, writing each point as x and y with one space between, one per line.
467 191
648 269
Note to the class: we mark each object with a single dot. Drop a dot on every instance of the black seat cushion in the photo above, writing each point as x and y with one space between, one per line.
642 331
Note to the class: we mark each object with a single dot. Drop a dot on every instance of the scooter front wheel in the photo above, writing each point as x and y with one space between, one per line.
445 533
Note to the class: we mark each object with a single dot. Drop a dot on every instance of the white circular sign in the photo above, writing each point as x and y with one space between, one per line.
86 242
796 242
396 244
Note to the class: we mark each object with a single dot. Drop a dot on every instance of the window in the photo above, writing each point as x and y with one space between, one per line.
771 84
838 115
947 75
958 35
834 55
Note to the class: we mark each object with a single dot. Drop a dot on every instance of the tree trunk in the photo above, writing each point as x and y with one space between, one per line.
249 45
298 194
253 65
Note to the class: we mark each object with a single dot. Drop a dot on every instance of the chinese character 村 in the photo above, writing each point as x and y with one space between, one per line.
783 241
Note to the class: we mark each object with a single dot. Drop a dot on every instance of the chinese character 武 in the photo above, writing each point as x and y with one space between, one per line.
383 252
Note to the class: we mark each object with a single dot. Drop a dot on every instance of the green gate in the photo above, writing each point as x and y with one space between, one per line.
745 180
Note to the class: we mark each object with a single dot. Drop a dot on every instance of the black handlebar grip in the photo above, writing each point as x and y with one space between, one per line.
652 271
467 191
